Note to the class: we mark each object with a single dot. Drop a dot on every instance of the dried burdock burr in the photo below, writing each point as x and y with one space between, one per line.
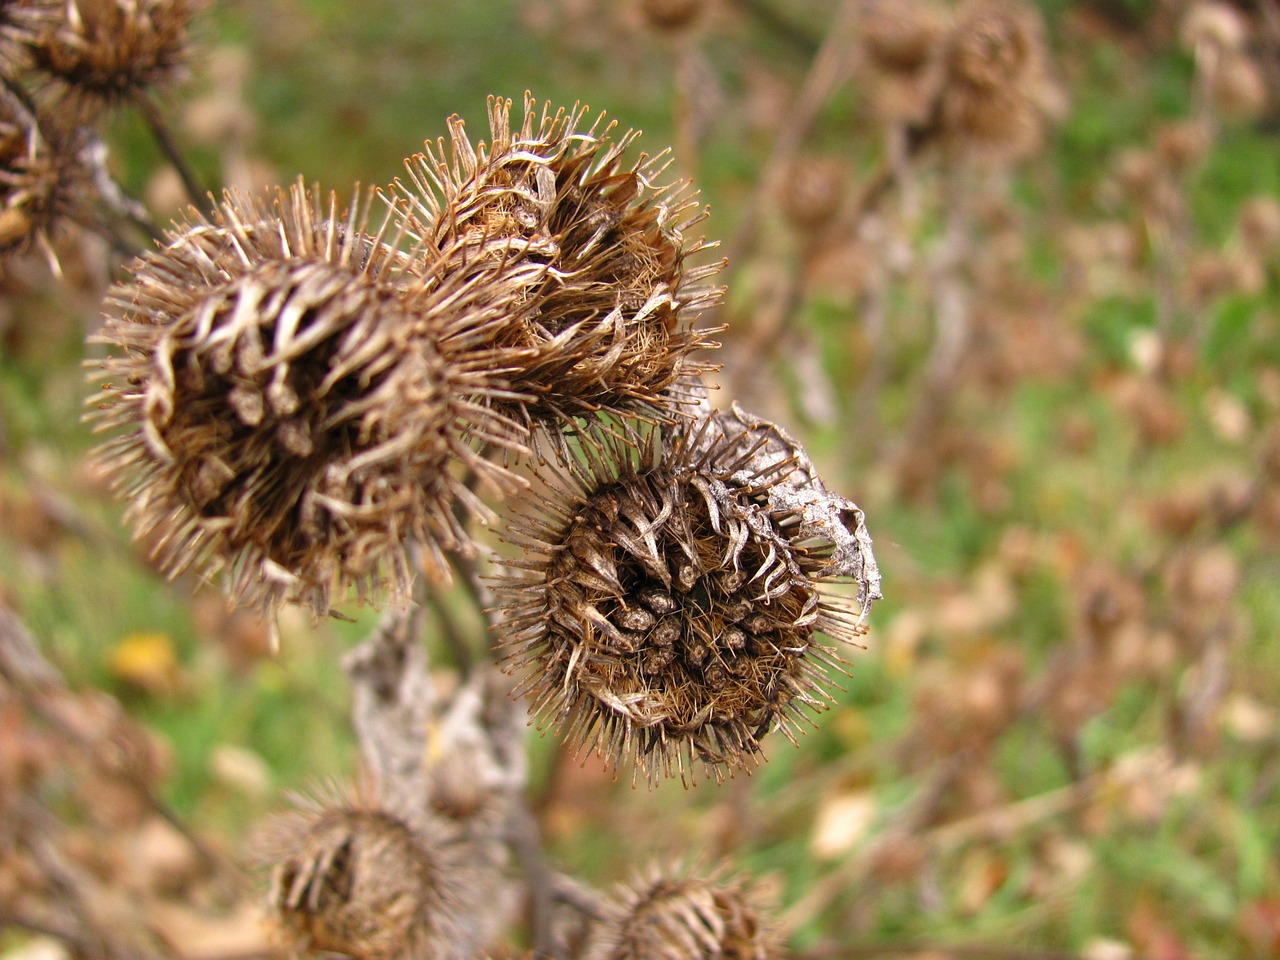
814 193
44 180
284 405
667 604
901 58
23 24
610 319
349 878
671 16
995 77
107 51
671 914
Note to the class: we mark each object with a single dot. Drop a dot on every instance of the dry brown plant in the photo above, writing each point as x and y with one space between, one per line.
107 51
673 914
609 324
289 411
44 180
350 878
666 607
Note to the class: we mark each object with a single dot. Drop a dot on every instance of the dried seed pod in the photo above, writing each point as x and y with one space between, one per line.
684 515
995 74
671 16
23 23
355 880
609 328
290 412
900 57
106 51
44 182
814 193
666 914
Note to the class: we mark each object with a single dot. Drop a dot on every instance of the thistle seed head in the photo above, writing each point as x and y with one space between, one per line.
901 56
995 63
355 880
662 611
608 326
285 407
23 24
44 181
667 915
106 51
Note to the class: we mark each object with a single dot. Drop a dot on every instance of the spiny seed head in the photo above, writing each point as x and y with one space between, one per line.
23 24
666 914
671 16
105 51
286 408
353 879
901 55
44 180
995 63
814 192
609 325
661 611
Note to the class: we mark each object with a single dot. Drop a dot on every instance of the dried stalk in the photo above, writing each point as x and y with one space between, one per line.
829 69
197 193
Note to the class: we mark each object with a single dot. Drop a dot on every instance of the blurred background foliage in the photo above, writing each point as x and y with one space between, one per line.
1057 407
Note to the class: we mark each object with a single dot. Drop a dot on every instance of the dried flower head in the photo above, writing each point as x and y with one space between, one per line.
901 58
995 63
44 180
671 16
608 327
106 51
23 23
666 914
815 191
667 603
352 879
287 408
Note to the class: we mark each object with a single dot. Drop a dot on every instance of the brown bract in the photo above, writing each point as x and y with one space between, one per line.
23 24
995 73
901 58
666 607
356 880
105 51
286 406
610 319
44 181
665 914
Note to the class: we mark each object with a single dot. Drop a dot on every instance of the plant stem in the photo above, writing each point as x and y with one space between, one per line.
152 113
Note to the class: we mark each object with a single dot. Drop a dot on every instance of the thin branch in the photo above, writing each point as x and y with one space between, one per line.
451 631
829 68
524 837
151 112
574 893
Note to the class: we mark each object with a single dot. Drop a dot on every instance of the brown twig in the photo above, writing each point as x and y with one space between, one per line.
829 68
524 836
574 893
451 631
151 112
